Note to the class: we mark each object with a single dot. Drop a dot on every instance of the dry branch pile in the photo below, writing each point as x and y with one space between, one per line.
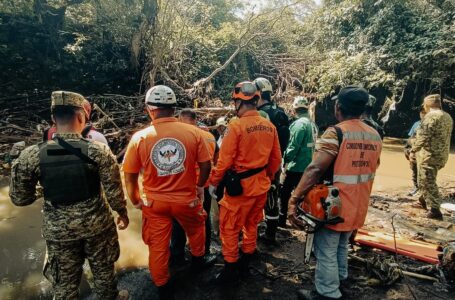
25 117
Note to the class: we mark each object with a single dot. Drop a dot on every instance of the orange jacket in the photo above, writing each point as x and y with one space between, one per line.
211 146
354 171
167 152
250 142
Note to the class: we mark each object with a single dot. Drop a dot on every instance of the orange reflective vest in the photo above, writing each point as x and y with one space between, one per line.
354 172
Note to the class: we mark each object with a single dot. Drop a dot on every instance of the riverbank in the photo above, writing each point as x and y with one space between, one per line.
276 272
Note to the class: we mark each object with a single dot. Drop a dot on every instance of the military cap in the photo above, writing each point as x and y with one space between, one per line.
65 98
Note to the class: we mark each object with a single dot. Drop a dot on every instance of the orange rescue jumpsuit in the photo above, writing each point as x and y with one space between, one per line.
167 152
250 142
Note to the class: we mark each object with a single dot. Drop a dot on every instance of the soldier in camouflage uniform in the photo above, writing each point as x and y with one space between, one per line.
431 150
79 181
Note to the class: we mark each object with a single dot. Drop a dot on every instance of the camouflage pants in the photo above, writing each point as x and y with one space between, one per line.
64 260
428 187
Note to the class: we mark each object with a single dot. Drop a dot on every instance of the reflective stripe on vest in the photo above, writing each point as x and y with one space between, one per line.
354 171
363 136
353 179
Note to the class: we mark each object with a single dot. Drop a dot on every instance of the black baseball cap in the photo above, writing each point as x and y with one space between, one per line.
352 97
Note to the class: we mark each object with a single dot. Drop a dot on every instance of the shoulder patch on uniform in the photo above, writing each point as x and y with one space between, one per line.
168 156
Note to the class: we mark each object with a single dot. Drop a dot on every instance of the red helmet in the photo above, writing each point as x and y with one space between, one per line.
87 108
245 91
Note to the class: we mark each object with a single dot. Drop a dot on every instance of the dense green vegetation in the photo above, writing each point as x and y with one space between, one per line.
402 49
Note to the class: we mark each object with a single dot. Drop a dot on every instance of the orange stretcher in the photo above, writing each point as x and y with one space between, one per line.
419 250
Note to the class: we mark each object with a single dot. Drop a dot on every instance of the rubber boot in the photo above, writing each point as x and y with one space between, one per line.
269 237
434 213
282 221
200 263
166 292
244 264
229 276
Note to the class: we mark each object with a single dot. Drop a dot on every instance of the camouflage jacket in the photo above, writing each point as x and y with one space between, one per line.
80 220
432 142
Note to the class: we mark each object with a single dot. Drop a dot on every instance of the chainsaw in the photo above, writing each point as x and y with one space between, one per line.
320 206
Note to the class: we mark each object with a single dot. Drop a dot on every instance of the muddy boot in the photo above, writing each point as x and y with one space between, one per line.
422 204
312 295
200 263
229 276
166 292
244 264
178 261
434 213
269 236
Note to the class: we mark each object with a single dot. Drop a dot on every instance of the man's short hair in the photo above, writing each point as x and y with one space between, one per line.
351 111
188 113
301 110
65 114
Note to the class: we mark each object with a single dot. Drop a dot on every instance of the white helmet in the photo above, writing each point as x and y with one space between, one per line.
221 121
300 102
263 85
160 95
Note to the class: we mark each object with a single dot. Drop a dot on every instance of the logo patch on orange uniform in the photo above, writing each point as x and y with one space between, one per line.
168 156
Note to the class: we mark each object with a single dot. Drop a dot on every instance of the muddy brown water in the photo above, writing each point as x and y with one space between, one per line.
22 249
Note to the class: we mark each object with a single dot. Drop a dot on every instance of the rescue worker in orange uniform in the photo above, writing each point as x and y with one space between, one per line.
178 240
167 152
347 155
251 149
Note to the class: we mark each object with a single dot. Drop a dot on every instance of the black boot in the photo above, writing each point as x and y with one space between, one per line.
244 264
200 263
166 292
434 213
229 275
269 236
282 221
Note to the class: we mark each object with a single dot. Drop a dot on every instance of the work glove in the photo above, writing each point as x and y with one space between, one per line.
292 214
212 192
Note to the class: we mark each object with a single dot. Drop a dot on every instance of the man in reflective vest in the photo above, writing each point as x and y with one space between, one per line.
352 149
250 146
